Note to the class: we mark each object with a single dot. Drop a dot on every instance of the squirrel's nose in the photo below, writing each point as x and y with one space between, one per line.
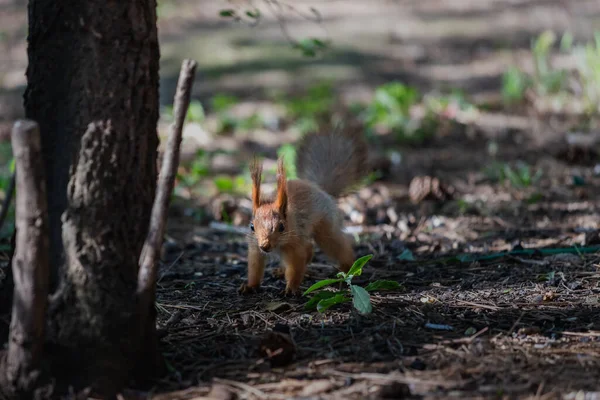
265 247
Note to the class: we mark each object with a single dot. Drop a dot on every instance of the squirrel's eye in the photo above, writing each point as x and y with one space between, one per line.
251 226
281 227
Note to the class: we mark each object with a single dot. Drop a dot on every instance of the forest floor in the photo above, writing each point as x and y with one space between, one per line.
499 294
518 319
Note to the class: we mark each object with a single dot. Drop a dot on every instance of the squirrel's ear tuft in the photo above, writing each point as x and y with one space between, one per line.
281 199
256 174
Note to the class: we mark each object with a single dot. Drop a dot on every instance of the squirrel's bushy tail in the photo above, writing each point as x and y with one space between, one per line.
334 160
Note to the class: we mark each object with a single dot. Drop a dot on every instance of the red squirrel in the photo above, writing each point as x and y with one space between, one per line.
304 209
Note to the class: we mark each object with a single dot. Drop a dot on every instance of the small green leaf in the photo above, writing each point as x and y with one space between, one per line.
361 299
470 331
310 46
326 303
356 269
578 180
227 13
382 285
224 184
253 14
319 43
320 284
406 255
514 85
312 303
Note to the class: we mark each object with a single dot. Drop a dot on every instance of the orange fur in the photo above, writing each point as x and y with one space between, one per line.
256 174
302 210
281 199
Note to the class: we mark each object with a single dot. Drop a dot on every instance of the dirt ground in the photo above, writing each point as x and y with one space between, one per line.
514 319
506 323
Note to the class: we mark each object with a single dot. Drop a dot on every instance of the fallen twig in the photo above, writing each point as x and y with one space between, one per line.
258 393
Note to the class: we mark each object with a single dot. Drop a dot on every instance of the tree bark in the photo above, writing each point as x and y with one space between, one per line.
93 89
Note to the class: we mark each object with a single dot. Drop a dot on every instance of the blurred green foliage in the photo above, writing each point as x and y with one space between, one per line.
390 110
396 108
311 47
520 175
8 167
310 109
588 66
514 85
288 152
563 86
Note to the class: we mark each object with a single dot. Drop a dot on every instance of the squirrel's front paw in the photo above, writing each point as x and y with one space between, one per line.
245 289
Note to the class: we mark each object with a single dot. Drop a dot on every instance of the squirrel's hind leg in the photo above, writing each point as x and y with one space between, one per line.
335 244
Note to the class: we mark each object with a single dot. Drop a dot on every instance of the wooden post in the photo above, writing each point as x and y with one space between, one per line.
30 261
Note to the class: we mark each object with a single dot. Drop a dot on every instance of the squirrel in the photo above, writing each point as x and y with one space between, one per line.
303 209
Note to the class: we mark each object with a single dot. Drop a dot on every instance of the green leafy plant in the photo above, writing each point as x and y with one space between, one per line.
588 67
454 106
546 79
576 88
311 47
199 168
392 111
520 176
312 108
359 296
514 86
253 15
221 104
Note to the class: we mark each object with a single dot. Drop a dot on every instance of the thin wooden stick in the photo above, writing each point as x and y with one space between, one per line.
148 259
30 262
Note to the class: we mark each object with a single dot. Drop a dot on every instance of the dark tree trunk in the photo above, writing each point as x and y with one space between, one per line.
93 90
